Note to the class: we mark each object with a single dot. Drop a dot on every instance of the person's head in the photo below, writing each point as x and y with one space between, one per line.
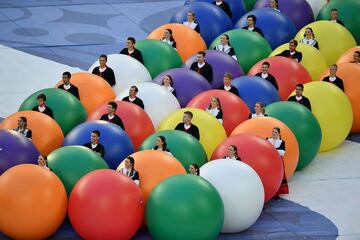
66 76
168 34
251 20
191 16
356 56
22 122
194 169
111 107
232 150
259 108
309 33
41 98
274 4
292 45
187 117
201 57
224 39
102 60
130 43
133 90
333 69
129 162
161 142
265 67
42 160
333 14
299 89
215 103
227 78
275 133
167 81
94 137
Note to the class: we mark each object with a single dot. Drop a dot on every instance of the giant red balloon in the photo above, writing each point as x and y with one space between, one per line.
258 154
287 73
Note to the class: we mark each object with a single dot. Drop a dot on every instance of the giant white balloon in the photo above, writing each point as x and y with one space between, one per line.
316 6
241 190
128 71
158 101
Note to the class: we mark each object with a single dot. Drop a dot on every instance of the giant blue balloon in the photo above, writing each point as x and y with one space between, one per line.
277 27
255 89
212 20
116 142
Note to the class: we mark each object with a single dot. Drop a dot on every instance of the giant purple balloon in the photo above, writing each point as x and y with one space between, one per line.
187 83
299 11
15 149
221 63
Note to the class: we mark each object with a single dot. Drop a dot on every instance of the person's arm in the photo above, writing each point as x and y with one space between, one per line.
232 53
197 133
341 85
260 32
174 45
299 56
94 71
101 150
273 81
140 57
76 92
197 28
250 116
174 92
120 123
141 104
228 10
178 127
29 134
210 74
103 117
281 149
308 104
316 45
283 54
112 78
51 114
235 90
219 117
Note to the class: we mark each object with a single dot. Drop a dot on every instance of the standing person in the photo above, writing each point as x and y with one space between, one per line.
111 116
232 153
309 38
202 67
168 38
224 6
191 22
225 47
214 109
194 169
131 51
227 84
279 145
94 144
334 16
41 107
356 57
259 111
42 162
274 4
332 78
251 25
67 86
264 74
292 53
104 71
161 145
129 170
132 98
167 82
22 128
299 98
187 126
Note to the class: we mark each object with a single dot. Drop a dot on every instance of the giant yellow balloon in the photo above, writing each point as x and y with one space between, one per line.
332 108
312 59
211 131
333 39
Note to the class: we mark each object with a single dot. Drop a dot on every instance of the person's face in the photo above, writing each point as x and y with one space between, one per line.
214 103
65 79
332 70
227 81
41 161
273 4
21 123
41 102
298 91
167 34
223 40
127 164
200 58
186 118
129 44
258 108
308 33
132 92
94 138
292 47
192 169
264 68
159 143
333 15
250 22
190 17
231 151
102 62
167 81
356 57
275 134
110 109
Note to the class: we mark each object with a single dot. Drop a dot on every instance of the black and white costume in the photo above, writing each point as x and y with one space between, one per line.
255 29
193 25
115 119
204 69
45 109
166 150
135 53
231 89
24 131
70 89
97 148
278 144
170 43
106 73
294 55
133 174
311 42
254 115
191 129
335 80
337 21
226 49
270 78
135 100
232 158
216 112
302 100
171 89
224 6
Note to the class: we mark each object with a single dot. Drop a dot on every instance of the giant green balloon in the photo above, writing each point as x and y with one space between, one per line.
158 56
348 11
249 4
183 146
304 126
184 207
72 162
67 109
249 47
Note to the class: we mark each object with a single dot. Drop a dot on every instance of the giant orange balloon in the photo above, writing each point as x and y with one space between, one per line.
153 167
347 56
350 74
46 133
262 127
33 202
188 41
93 90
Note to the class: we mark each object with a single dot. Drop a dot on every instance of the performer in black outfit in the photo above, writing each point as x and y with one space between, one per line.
292 53
264 74
202 67
309 38
161 145
67 86
104 71
168 38
225 47
227 84
251 22
334 16
42 106
191 21
167 82
22 128
214 109
232 150
299 98
130 171
111 116
131 51
332 78
224 6
187 126
95 145
133 98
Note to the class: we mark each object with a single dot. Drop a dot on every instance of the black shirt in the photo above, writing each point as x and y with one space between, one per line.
286 53
193 130
47 111
99 149
270 78
115 120
236 158
256 29
108 75
206 71
73 90
338 82
303 101
233 90
26 132
225 7
137 101
135 54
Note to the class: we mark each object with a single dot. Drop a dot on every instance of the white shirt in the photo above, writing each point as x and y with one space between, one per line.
67 86
41 109
227 88
215 112
332 79
276 143
200 65
264 75
170 88
187 126
102 69
132 99
254 115
190 25
298 98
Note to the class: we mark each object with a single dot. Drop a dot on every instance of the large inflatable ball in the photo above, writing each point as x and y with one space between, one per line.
33 202
117 144
158 56
186 83
316 5
185 207
221 63
267 18
128 71
348 56
212 20
249 47
67 109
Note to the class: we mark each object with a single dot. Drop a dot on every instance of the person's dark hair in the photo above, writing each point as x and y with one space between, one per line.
294 41
193 13
227 38
24 120
41 96
164 146
277 4
68 74
278 130
262 106
131 39
266 63
357 52
171 80
196 168
334 65
171 36
300 85
202 53
135 87
132 161
113 105
253 17
333 9
228 75
189 113
103 56
97 132
312 32
45 157
218 100
235 149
